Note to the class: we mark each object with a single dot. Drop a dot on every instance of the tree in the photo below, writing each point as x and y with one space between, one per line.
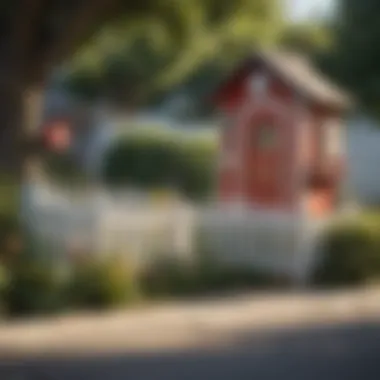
309 39
153 55
354 57
36 36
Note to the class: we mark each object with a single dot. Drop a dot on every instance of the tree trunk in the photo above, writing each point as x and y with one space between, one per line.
19 115
20 108
11 112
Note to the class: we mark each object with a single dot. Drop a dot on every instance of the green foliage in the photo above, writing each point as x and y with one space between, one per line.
62 168
197 168
142 161
84 84
166 160
168 42
11 239
309 39
101 284
4 286
176 277
351 254
353 58
9 196
35 288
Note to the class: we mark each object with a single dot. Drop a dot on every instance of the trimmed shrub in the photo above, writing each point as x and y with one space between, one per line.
141 161
197 168
100 284
351 256
166 160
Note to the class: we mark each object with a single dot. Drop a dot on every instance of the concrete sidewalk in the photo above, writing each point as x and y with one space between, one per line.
185 324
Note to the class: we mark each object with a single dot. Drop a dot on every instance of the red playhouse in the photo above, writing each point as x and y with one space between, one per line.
283 145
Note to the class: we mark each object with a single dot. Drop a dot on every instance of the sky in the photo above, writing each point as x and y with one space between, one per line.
304 9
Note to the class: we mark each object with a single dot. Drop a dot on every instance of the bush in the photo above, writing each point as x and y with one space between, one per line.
100 284
141 161
197 168
35 288
172 277
351 255
164 160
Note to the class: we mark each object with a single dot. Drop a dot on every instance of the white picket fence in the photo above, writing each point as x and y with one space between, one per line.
276 242
101 223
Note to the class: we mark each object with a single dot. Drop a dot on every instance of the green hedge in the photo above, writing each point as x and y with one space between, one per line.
39 287
34 288
197 168
350 254
165 160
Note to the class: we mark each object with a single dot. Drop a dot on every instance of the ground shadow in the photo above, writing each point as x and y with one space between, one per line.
329 352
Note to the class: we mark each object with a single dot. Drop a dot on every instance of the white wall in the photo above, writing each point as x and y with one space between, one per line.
363 159
100 223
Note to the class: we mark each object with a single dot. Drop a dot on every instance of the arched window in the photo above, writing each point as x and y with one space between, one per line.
266 137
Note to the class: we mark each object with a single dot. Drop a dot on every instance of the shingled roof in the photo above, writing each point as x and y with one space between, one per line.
306 78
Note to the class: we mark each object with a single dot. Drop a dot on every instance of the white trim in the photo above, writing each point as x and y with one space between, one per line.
302 115
331 134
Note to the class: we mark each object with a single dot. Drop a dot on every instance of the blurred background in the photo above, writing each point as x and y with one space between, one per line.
120 146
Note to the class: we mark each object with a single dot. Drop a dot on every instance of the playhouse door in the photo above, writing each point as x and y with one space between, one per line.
266 162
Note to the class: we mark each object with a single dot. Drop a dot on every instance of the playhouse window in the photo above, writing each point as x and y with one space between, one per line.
267 137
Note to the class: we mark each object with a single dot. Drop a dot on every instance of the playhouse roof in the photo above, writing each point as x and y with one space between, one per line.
298 71
305 77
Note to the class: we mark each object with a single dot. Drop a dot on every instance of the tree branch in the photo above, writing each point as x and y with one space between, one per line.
76 30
